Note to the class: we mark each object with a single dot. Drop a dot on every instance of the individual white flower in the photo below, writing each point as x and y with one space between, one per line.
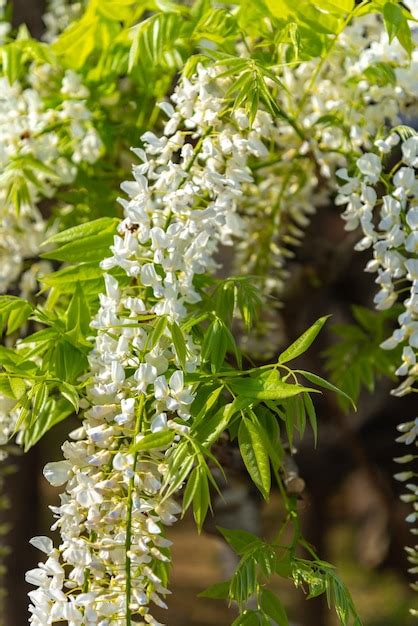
410 151
412 268
145 375
404 180
57 473
370 165
159 422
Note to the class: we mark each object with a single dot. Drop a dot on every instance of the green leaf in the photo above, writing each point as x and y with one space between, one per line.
201 498
11 61
53 412
179 343
207 431
95 227
254 455
244 581
381 74
248 618
301 344
393 16
66 277
158 42
17 317
272 388
18 387
68 360
248 301
13 390
337 7
310 409
92 248
272 606
46 335
116 10
321 16
225 301
397 26
181 462
14 311
283 565
321 382
218 591
190 490
69 392
157 331
272 446
214 345
154 441
201 410
39 398
216 25
78 315
240 541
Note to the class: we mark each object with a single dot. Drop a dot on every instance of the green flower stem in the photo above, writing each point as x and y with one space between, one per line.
128 540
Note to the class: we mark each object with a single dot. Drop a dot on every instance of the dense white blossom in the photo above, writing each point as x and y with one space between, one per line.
337 114
182 205
389 220
54 141
201 184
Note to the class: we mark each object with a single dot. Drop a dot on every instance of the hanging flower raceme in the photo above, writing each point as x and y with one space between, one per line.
41 149
112 560
338 110
389 221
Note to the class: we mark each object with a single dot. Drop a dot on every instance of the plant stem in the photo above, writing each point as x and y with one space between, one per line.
128 540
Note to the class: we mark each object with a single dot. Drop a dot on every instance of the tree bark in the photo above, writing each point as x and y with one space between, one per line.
29 12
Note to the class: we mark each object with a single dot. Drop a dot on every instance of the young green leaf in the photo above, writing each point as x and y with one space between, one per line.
190 490
179 343
240 541
53 412
248 618
83 231
301 344
321 382
214 345
154 441
218 591
310 409
14 312
272 388
69 392
254 455
272 606
397 26
201 498
78 315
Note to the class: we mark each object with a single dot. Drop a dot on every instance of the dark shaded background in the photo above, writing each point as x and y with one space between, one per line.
350 509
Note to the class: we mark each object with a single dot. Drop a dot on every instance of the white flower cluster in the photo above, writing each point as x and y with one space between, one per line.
337 111
385 205
390 226
40 150
183 204
58 15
